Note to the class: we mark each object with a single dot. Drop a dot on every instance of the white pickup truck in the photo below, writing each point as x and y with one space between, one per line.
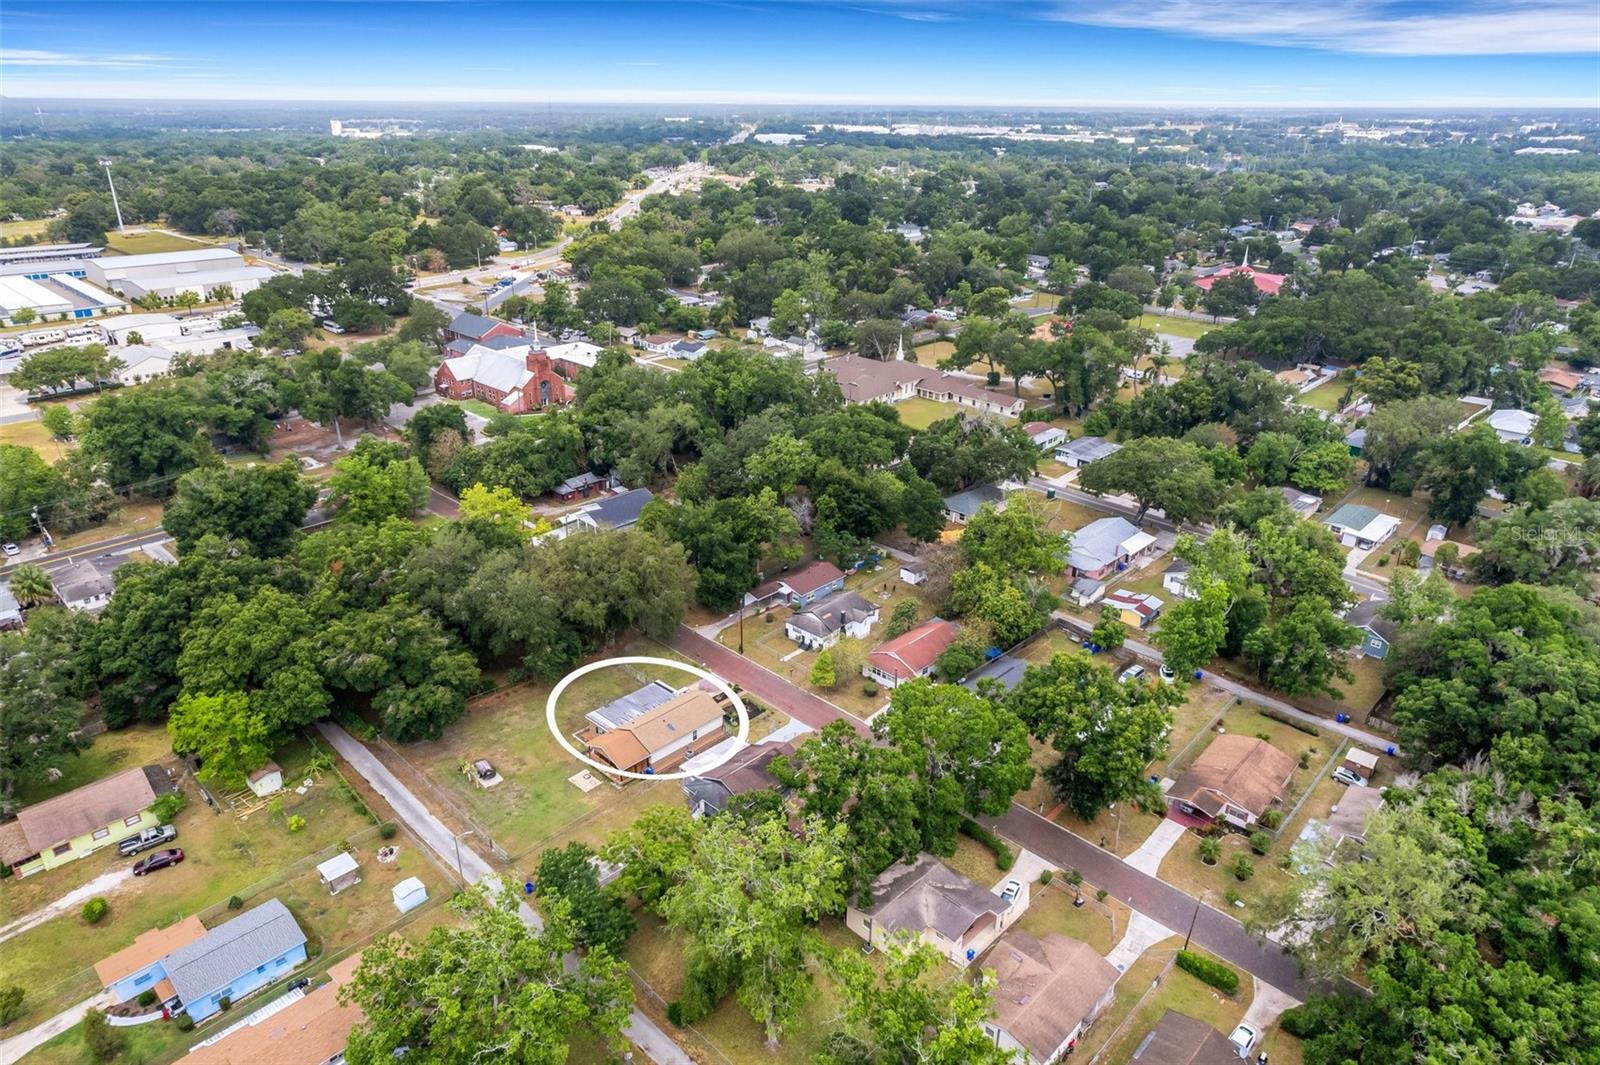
147 838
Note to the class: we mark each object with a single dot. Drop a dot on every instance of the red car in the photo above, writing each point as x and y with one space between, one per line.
158 860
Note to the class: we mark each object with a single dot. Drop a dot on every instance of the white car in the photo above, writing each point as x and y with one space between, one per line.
1010 891
1167 674
1346 776
10 550
1243 1038
1132 673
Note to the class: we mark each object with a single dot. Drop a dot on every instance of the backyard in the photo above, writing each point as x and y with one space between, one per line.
1326 396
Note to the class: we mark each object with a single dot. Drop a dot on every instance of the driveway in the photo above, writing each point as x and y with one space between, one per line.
1147 859
646 1036
1267 1005
100 885
24 1043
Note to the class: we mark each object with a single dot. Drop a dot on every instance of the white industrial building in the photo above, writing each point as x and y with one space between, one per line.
54 297
199 270
181 336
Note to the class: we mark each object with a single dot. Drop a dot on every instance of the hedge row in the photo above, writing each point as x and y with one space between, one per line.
1293 722
1214 973
1003 858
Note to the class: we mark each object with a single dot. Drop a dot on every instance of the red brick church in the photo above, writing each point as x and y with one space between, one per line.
515 379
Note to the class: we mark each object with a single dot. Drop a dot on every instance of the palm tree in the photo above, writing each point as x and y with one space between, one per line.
31 585
1210 849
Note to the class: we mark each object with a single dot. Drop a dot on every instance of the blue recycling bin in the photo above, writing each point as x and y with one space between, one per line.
527 887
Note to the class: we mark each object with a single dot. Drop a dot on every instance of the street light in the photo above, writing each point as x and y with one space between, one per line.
459 874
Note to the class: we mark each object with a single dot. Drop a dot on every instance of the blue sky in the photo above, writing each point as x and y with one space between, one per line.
1182 53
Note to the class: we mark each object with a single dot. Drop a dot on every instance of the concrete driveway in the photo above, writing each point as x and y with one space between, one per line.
1147 859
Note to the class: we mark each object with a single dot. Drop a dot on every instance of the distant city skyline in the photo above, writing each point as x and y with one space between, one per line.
1192 54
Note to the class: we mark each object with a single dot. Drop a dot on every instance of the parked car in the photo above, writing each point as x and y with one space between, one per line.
158 860
296 985
1132 673
11 550
1243 1038
1347 776
150 837
1167 674
1009 893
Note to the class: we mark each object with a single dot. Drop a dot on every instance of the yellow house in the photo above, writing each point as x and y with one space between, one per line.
68 827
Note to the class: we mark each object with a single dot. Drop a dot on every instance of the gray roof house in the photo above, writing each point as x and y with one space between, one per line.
1302 503
1105 543
926 899
613 512
747 771
822 623
254 939
1086 449
1005 669
963 505
1377 632
623 709
85 584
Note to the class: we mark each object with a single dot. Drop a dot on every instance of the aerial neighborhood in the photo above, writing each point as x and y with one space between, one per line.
797 586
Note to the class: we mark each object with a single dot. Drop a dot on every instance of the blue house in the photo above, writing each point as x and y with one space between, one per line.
195 973
806 585
1376 632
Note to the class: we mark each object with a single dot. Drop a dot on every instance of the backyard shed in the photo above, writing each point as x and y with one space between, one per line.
266 780
340 872
409 894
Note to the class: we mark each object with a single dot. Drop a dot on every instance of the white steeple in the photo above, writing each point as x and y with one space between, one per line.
900 349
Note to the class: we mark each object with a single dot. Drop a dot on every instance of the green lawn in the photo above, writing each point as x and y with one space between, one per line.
1123 1029
930 353
1096 923
1192 328
1325 396
146 243
477 406
110 752
30 227
919 413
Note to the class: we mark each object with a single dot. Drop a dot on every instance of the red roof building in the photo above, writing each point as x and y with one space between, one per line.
1267 284
910 656
516 380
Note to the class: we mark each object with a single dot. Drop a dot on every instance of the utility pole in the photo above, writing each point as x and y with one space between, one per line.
107 164
462 877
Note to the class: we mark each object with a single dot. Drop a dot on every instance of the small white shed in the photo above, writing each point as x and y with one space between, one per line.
409 894
339 872
266 780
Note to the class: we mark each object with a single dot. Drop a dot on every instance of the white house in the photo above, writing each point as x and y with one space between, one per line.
1044 435
1361 527
823 623
1514 426
1084 450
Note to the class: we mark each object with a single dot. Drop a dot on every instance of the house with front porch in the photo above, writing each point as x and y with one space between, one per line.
910 655
823 623
1106 546
1235 779
656 734
806 585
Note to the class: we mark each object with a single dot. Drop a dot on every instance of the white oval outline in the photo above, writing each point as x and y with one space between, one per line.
644 660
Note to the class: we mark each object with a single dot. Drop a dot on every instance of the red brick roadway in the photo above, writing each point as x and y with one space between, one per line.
1214 930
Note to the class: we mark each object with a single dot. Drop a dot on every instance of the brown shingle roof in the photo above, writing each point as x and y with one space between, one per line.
92 806
1247 772
1179 1039
926 893
910 653
1046 987
691 709
307 1032
808 579
147 947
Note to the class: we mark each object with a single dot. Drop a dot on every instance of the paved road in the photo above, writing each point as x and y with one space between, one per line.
647 1037
1213 930
762 682
126 543
442 503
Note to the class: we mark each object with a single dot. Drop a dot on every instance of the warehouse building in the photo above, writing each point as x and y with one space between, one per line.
54 297
165 274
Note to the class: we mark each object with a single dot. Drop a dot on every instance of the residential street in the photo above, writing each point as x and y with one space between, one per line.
647 1037
1214 930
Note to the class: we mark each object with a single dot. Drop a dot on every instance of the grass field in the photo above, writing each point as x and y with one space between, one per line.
919 413
1192 328
1140 1002
33 435
476 406
29 227
930 353
146 243
1050 909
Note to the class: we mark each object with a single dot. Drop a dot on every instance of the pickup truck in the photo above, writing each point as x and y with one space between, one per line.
147 838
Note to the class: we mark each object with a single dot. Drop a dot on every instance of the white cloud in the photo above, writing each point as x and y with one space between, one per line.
1371 27
34 57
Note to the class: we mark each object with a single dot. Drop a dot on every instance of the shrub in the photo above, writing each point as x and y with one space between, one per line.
1260 842
10 1003
1074 877
95 910
675 1009
1214 973
1242 868
1003 858
168 806
1305 759
1264 737
1047 876
1100 896
235 902
184 1022
147 997
869 689
104 1042
225 1002
1210 849
296 822
388 830
1299 1022
1272 818
1293 722
1232 897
